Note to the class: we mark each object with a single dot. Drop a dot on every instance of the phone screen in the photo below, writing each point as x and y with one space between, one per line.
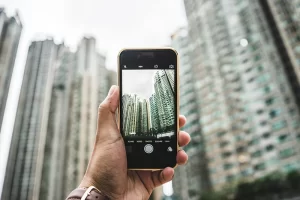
148 107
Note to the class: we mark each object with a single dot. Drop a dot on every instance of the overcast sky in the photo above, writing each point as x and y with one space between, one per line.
114 23
140 82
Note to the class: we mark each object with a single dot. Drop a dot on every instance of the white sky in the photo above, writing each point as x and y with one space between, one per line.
138 82
115 24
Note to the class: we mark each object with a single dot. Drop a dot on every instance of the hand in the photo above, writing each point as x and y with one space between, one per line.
107 169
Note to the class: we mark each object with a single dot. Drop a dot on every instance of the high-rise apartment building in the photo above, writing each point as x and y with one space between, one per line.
56 120
164 92
282 18
55 164
151 116
10 32
24 167
112 78
90 65
247 104
191 179
79 87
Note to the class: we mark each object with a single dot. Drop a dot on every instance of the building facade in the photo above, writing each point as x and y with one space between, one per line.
247 101
282 18
10 33
55 164
191 179
24 171
56 120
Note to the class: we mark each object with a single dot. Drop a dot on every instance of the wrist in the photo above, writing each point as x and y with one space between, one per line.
90 193
88 181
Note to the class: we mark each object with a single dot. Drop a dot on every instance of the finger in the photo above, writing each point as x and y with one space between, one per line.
182 120
184 138
111 101
181 157
163 176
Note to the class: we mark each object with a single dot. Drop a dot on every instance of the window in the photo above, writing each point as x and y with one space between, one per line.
269 147
267 89
274 113
263 78
246 60
249 69
238 138
287 100
248 131
226 154
230 178
283 138
266 135
254 141
292 111
269 101
227 166
260 111
241 149
260 68
257 57
256 154
251 80
212 170
290 167
223 144
263 123
295 124
279 125
246 172
220 134
286 153
260 166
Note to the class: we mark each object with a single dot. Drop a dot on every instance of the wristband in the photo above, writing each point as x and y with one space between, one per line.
91 193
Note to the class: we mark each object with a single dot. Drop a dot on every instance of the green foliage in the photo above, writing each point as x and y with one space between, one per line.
213 196
293 179
273 184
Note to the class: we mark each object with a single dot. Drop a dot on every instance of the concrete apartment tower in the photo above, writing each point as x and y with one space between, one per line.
24 171
53 183
194 174
91 67
10 32
248 102
56 120
80 84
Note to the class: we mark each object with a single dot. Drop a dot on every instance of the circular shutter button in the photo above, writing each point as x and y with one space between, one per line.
148 148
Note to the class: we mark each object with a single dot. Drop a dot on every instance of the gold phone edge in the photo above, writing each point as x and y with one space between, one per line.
177 97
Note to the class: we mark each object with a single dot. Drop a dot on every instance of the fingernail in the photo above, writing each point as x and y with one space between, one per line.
111 90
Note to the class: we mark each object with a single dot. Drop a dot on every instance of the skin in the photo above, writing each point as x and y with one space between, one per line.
107 169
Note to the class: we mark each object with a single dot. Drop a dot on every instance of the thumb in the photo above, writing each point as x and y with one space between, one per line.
107 126
111 102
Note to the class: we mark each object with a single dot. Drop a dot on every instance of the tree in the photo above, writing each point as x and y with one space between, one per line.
213 196
293 180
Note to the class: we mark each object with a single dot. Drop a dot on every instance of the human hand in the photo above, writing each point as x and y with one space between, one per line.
107 169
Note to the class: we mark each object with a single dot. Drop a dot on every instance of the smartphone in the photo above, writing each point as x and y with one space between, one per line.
148 110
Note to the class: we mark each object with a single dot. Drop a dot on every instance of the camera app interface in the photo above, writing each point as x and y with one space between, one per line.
149 108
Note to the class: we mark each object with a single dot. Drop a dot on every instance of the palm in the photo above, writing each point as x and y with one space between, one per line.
139 185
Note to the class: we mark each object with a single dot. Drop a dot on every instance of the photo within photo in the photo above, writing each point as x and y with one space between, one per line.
148 104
